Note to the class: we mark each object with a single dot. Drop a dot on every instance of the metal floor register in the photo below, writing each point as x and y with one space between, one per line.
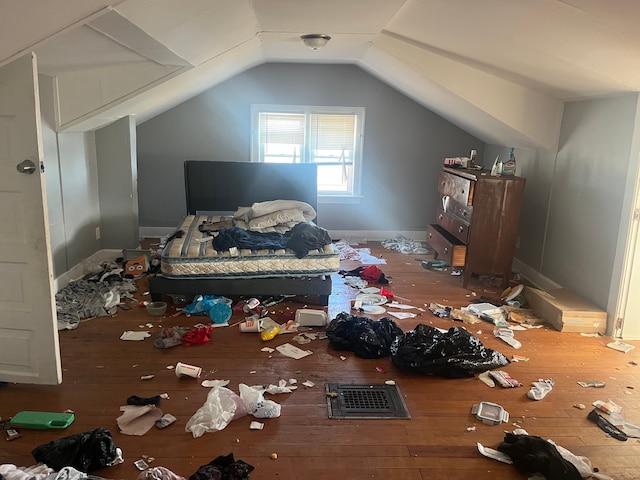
365 401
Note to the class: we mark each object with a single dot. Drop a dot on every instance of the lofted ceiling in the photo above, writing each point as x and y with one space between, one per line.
500 69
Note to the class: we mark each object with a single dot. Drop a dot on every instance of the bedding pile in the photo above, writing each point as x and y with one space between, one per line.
268 239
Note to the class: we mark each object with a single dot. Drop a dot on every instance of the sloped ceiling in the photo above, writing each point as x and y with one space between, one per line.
500 69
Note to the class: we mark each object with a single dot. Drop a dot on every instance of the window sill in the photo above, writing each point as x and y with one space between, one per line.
337 199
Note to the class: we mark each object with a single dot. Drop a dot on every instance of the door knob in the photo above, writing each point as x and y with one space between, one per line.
26 166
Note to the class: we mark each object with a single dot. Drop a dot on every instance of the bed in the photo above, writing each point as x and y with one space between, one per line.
215 191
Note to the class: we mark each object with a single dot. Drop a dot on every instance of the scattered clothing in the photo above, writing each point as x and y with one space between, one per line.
531 455
540 389
223 468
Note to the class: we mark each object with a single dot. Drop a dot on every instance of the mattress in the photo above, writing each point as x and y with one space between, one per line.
193 256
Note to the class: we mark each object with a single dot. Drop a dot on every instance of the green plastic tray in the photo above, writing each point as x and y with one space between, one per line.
42 420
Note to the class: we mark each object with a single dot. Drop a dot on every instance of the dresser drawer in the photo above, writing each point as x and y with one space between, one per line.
454 225
448 247
458 188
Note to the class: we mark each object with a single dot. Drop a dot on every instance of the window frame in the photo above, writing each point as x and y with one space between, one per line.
323 197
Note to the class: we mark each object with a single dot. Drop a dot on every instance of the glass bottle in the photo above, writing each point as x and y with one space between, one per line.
509 167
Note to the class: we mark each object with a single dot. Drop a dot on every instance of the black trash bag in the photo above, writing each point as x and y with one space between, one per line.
223 467
86 451
453 354
531 454
365 337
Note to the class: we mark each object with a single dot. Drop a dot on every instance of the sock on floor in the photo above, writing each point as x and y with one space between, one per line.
540 389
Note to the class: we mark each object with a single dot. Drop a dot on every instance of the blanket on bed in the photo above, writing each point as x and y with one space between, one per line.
302 238
273 216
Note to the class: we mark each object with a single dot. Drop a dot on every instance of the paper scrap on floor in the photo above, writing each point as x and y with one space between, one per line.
292 351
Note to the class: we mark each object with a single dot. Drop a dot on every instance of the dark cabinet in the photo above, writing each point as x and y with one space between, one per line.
477 222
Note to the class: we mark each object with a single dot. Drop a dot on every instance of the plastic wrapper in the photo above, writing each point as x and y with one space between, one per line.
86 451
452 354
255 403
363 336
221 407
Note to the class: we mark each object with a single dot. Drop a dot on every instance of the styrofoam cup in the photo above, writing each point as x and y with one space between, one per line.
184 369
250 326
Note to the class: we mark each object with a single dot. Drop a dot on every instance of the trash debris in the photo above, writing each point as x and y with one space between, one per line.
621 346
453 353
579 406
215 383
164 421
504 379
146 377
490 413
363 336
273 456
506 336
141 465
138 420
135 336
10 433
256 425
519 358
494 454
489 313
402 315
606 426
309 384
87 451
184 369
607 407
292 351
485 378
592 383
439 310
221 467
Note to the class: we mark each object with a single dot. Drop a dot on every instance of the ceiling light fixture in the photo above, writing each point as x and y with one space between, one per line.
315 41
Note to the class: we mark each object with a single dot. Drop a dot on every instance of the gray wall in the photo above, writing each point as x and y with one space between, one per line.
575 200
587 194
117 177
72 188
404 144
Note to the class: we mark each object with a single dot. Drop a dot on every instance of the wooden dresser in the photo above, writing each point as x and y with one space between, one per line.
477 222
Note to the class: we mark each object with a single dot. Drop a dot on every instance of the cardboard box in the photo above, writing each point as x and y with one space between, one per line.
565 311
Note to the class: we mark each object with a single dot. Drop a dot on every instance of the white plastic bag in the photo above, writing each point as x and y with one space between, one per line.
222 406
255 403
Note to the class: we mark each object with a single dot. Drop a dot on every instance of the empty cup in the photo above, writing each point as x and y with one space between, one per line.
184 369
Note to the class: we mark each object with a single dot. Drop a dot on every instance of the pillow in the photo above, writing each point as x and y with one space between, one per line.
290 216
263 208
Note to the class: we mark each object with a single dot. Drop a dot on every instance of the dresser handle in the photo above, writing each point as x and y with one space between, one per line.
461 229
430 235
440 217
446 249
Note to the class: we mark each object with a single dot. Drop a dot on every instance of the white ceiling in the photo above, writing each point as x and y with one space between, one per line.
471 61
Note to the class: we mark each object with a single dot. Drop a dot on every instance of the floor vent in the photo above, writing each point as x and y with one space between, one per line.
365 401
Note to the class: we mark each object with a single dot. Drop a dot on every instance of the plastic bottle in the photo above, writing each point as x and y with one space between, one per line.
496 170
509 167
472 158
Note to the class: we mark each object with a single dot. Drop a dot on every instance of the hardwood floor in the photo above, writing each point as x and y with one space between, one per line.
101 372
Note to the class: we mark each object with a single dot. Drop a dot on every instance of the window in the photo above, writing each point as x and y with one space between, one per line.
330 137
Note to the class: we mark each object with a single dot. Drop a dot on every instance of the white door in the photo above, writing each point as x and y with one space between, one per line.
29 350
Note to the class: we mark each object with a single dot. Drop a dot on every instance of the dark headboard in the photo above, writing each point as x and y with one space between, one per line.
225 186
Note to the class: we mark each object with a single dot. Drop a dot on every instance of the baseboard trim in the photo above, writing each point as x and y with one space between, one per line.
84 267
536 278
155 232
362 236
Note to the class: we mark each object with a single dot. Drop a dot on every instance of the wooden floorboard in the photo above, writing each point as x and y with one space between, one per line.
100 372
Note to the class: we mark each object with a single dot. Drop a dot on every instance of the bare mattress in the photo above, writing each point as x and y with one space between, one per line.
193 256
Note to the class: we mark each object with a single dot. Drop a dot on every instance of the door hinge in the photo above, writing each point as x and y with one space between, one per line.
619 321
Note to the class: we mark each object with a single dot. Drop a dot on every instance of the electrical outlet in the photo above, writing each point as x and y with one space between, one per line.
97 233
517 242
